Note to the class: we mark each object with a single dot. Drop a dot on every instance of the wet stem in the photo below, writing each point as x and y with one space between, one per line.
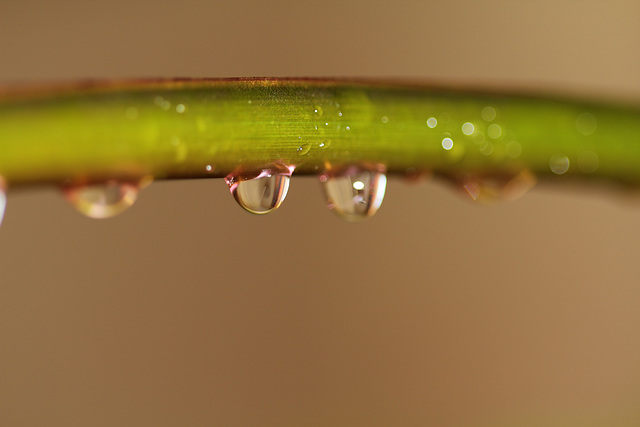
99 140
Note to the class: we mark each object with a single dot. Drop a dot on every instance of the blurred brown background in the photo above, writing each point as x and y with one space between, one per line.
188 311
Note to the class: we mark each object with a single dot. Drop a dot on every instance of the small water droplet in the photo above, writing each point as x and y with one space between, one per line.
318 110
513 149
468 128
447 143
261 193
303 149
355 193
180 108
586 124
209 168
488 113
384 119
494 131
559 164
102 200
432 122
491 189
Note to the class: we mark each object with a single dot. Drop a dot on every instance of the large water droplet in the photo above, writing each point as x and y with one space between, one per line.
356 193
261 193
102 200
491 189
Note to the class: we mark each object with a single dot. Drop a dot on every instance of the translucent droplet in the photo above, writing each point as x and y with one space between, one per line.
488 113
303 149
355 193
559 164
318 110
3 199
586 124
262 193
494 131
491 189
468 128
432 122
102 200
447 143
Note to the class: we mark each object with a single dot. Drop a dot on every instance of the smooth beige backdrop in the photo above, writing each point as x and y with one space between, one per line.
186 311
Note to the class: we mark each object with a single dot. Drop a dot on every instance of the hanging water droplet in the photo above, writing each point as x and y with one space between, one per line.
102 200
490 189
356 193
262 193
3 199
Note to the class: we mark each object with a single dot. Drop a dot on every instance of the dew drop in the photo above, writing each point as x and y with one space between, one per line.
491 189
447 143
303 149
488 113
355 193
468 128
586 124
263 193
102 200
3 199
318 110
559 164
432 122
494 131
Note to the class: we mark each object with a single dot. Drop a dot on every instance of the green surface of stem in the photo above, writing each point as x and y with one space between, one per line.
206 128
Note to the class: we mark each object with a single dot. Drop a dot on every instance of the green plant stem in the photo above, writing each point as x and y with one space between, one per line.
175 129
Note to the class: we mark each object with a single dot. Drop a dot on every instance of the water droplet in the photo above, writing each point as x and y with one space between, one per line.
180 108
303 149
356 193
209 168
468 128
491 189
162 103
432 122
559 164
3 199
494 131
384 119
488 113
447 143
513 149
261 193
318 110
586 124
102 200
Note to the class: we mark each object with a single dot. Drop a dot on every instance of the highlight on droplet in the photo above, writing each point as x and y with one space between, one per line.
354 193
262 192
